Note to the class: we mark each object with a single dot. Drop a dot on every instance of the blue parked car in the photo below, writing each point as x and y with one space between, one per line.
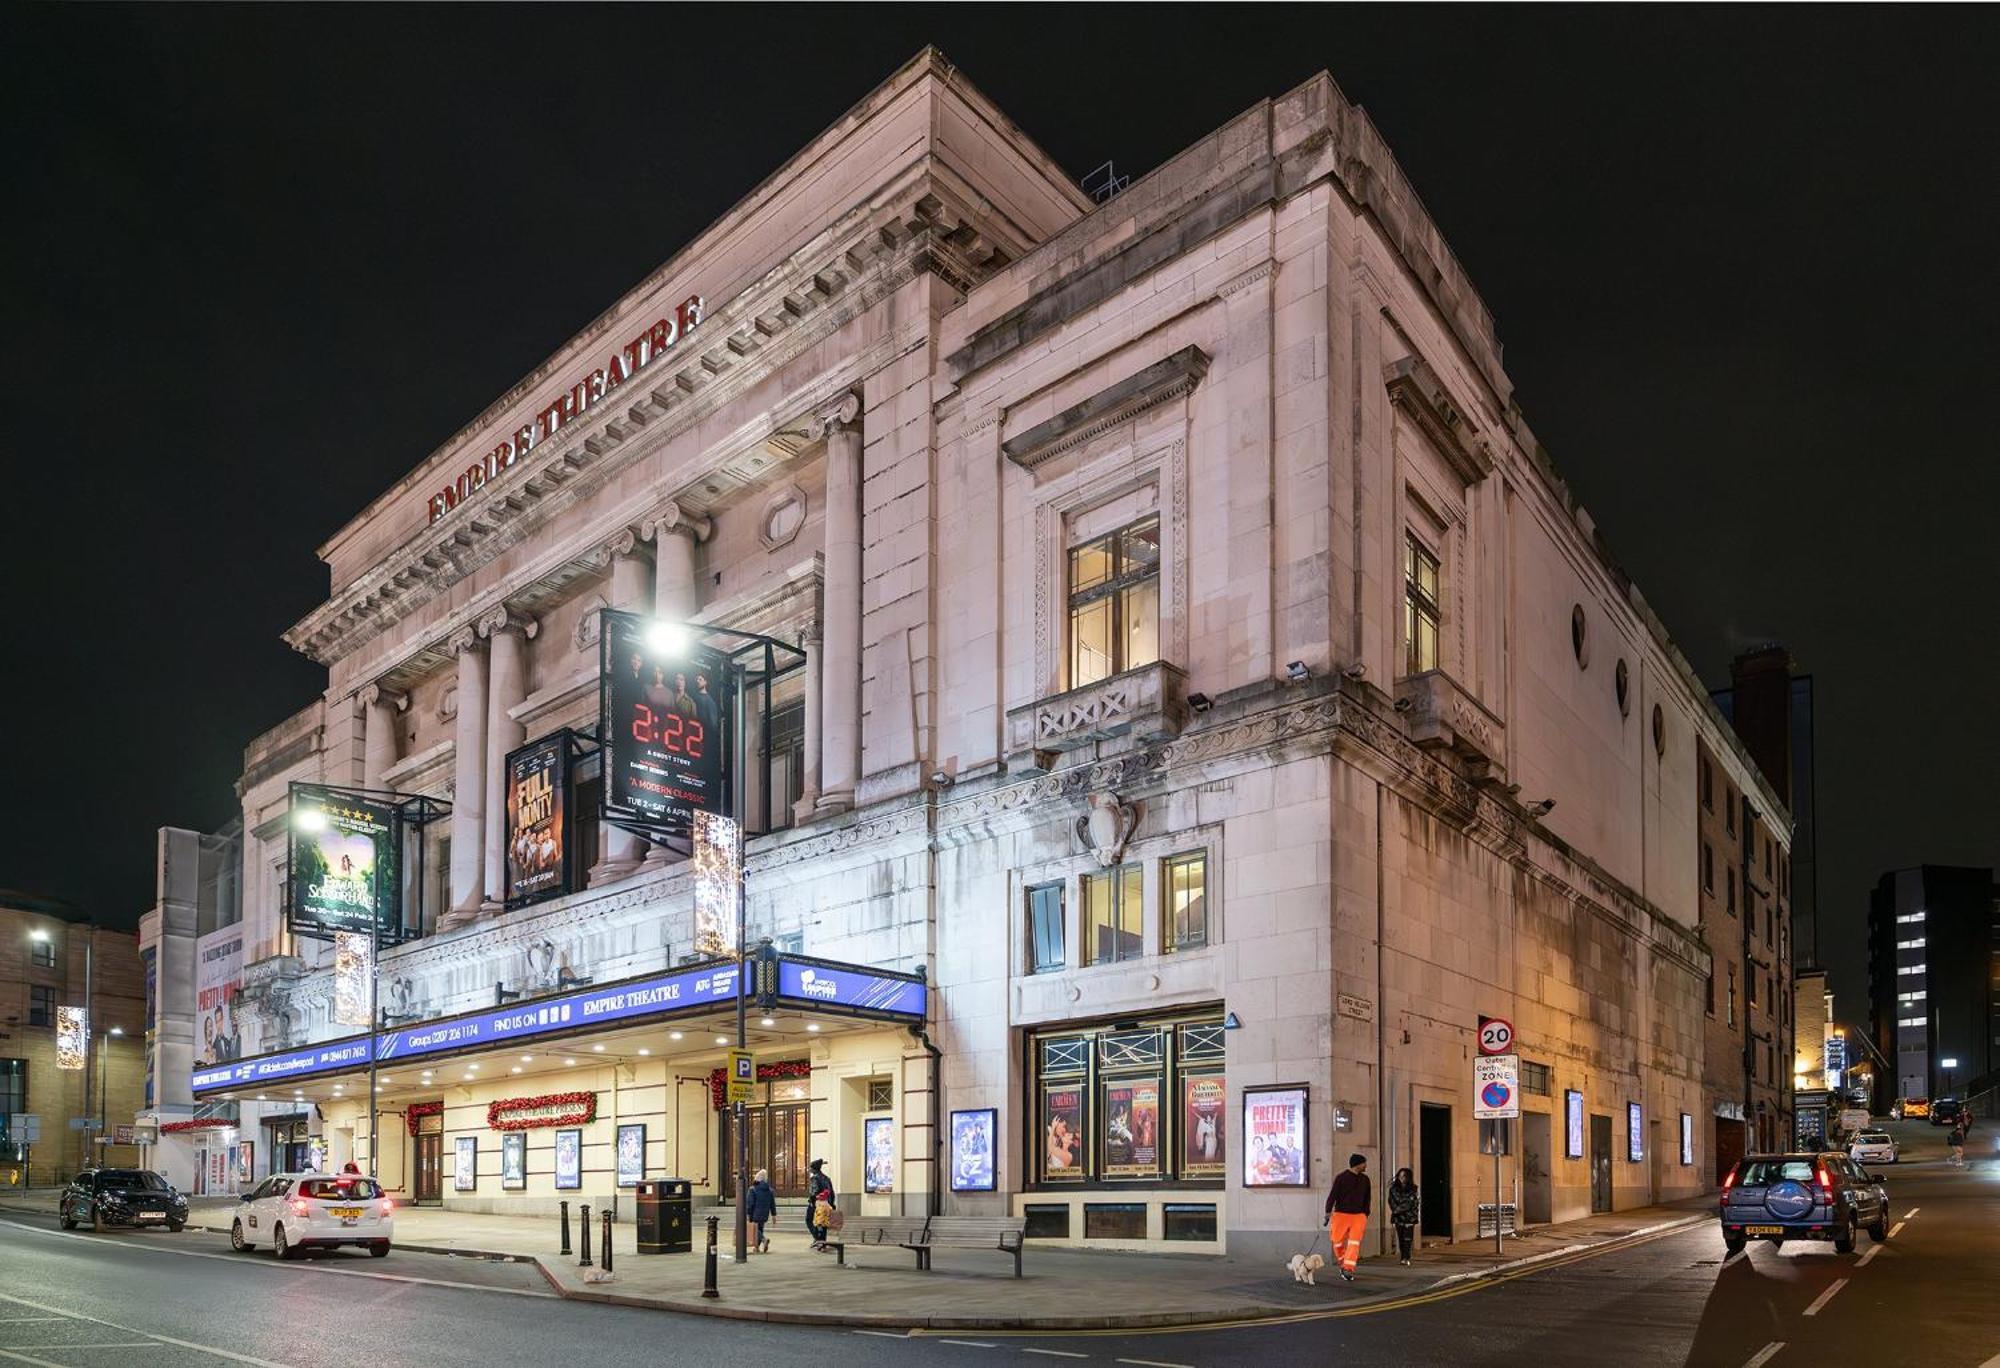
1823 1196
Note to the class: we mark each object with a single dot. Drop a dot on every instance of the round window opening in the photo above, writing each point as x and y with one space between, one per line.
1579 635
1659 732
1622 682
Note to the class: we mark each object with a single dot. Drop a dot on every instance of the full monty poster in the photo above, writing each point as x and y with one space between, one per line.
538 821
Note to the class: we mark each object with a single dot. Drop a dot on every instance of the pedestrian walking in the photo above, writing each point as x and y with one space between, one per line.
1404 1208
1347 1209
758 1208
820 1202
1957 1142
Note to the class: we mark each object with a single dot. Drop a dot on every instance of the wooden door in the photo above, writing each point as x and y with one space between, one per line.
789 1137
430 1168
1600 1163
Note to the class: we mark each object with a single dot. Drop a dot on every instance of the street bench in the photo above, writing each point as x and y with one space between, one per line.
1001 1233
867 1232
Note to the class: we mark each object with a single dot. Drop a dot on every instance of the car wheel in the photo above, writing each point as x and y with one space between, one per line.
379 1250
176 1226
236 1240
1843 1243
1880 1230
279 1249
1736 1246
67 1221
96 1221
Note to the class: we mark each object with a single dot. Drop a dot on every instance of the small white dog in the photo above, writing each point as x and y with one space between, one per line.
1303 1267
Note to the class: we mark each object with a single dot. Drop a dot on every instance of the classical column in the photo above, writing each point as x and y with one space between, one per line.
468 799
802 810
676 590
507 635
378 746
840 677
631 592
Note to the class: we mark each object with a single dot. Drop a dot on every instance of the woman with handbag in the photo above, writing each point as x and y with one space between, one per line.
819 1203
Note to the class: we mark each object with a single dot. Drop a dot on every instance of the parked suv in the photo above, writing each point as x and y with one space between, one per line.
103 1198
1821 1196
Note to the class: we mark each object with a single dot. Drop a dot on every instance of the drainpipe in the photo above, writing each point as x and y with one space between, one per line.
937 1138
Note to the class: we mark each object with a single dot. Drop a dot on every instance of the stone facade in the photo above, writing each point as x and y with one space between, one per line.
1262 843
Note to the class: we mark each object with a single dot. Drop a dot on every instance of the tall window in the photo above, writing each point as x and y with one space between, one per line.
1729 808
1732 995
42 954
1185 880
1045 926
1420 606
1114 602
1708 866
1113 908
1707 784
785 765
1731 872
1711 992
13 1087
41 1005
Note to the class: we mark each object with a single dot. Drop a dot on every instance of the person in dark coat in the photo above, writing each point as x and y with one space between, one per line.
758 1209
819 1188
1347 1208
1404 1208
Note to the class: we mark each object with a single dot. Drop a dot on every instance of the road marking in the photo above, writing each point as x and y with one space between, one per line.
1765 1355
969 1344
1873 1250
133 1330
277 1265
25 1358
885 1334
1056 1353
1911 1213
1897 1229
27 1320
1153 1363
1825 1297
65 1348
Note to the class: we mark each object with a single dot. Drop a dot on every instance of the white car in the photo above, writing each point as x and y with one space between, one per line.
294 1211
1873 1147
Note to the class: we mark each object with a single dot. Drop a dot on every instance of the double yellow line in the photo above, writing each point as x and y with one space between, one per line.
1470 1285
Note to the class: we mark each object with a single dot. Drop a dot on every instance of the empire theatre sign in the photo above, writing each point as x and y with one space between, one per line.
569 405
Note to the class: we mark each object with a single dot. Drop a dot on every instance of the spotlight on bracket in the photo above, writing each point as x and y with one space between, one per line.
942 779
1200 702
1542 808
1296 672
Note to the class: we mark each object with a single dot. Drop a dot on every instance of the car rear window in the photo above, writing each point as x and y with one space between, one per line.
1873 1138
1764 1172
340 1189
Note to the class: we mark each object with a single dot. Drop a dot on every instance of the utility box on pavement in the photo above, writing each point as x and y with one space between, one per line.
666 1216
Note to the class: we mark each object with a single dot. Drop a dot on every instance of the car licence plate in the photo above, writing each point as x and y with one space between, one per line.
348 1214
1763 1230
152 1215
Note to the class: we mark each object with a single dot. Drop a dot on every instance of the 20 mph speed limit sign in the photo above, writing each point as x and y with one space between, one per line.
1496 1036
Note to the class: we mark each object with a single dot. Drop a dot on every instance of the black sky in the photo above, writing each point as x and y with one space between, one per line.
258 262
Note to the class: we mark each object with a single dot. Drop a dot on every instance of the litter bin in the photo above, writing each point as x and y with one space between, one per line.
666 1216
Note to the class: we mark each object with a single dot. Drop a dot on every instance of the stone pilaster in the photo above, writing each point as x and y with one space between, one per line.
379 750
676 587
507 635
802 811
468 806
631 592
840 668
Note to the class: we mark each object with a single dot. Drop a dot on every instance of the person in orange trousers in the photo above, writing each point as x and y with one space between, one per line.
1347 1209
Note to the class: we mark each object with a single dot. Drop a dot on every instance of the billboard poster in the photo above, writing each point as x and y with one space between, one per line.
878 1149
569 1160
1274 1137
465 1164
538 821
1572 1124
631 1155
343 864
149 961
1132 1129
72 1037
1202 1125
218 978
1687 1138
1062 1132
514 1160
353 977
1635 1132
246 1161
663 705
972 1167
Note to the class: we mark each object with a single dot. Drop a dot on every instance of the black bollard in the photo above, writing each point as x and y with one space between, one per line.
565 1227
607 1242
583 1235
708 1270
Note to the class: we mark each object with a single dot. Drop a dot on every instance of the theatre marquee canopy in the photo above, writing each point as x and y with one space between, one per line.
777 981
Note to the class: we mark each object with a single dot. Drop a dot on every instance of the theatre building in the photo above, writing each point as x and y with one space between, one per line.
1168 693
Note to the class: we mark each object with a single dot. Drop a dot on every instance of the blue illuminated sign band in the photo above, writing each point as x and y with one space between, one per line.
852 989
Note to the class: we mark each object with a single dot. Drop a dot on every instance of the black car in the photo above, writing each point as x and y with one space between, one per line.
1944 1111
1820 1196
103 1198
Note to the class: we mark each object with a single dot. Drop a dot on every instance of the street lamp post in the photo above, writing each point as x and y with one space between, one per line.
1949 1065
104 1081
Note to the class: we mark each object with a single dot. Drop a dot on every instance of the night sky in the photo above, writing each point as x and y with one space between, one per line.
259 262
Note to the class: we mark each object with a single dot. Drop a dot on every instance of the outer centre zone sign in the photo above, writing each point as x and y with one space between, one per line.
1496 1087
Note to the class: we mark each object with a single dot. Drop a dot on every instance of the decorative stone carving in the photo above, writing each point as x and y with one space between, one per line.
588 625
1149 702
507 619
1106 829
1166 379
463 640
673 520
1440 713
448 703
842 413
375 693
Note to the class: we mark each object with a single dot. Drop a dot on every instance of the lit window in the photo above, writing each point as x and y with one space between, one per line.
1911 917
1185 880
1045 926
1913 997
1113 905
1421 614
1114 602
1910 969
1910 1021
1916 944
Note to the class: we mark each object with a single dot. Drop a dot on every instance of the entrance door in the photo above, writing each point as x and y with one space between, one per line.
1727 1149
1600 1163
1434 1168
780 1136
430 1167
1537 1192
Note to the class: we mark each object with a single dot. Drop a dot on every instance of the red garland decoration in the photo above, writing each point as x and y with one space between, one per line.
777 1068
420 1109
583 1107
173 1127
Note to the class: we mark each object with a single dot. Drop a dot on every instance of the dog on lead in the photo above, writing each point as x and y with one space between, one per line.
1303 1266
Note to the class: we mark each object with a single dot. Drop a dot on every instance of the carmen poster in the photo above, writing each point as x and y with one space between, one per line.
878 1144
972 1150
1062 1132
1132 1129
343 852
1274 1137
1202 1126
663 720
537 845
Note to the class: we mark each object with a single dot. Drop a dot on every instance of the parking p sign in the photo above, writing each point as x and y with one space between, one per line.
1496 1087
